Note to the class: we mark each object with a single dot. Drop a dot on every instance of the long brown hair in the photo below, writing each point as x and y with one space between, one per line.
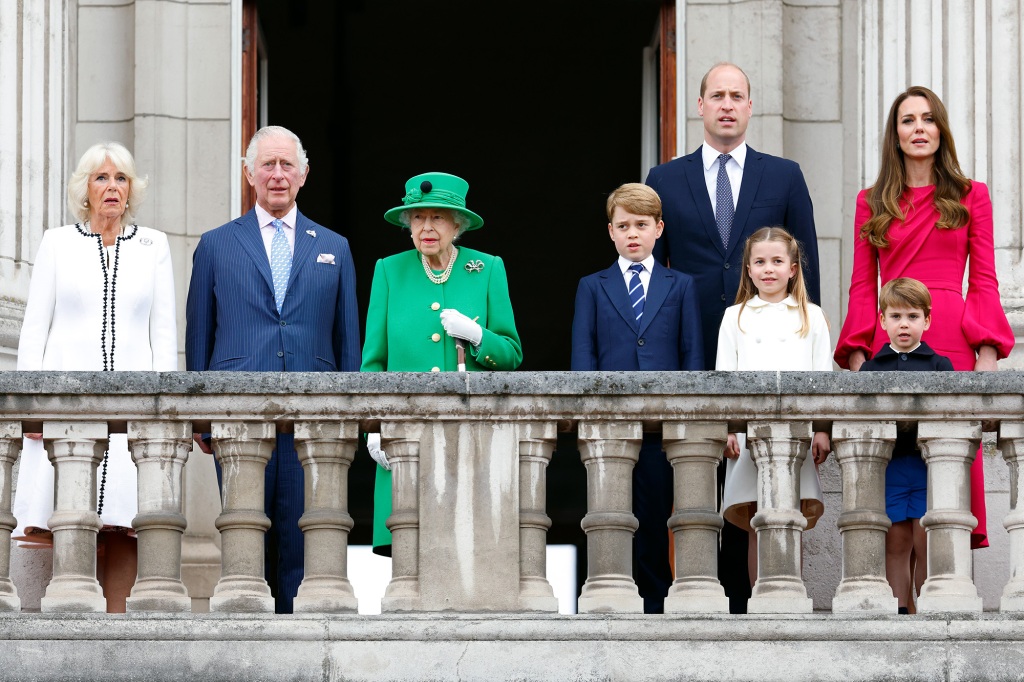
795 287
951 185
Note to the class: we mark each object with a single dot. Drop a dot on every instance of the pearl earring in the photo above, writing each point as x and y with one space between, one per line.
85 203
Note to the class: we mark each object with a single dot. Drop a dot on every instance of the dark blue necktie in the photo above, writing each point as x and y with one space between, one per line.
724 209
636 290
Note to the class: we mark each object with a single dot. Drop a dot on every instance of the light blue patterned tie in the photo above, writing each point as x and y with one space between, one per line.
280 262
724 209
636 290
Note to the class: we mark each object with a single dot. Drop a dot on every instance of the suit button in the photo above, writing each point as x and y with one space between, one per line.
435 369
435 338
640 342
435 306
723 297
283 323
727 266
903 356
280 353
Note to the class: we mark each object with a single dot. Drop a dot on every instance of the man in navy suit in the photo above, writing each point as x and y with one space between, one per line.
272 291
713 200
639 315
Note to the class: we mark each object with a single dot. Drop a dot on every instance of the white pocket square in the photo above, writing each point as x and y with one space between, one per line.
325 258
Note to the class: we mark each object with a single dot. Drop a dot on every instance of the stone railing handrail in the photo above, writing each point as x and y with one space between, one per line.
469 455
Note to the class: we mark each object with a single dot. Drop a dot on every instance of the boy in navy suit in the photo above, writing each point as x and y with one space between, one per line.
905 315
640 315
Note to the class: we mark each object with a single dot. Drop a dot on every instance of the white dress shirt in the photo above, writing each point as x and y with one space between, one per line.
734 168
267 230
645 274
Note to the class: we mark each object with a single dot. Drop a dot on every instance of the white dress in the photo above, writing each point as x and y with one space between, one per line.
63 330
766 337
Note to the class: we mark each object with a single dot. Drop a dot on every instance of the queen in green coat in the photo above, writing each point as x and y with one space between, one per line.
425 301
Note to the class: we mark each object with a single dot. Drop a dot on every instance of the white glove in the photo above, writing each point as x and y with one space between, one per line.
379 456
459 326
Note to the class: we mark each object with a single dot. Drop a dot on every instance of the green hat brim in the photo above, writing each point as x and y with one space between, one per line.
394 215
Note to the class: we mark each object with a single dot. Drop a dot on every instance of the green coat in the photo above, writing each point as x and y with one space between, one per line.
404 331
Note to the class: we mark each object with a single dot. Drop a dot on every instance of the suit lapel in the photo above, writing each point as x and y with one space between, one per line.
247 231
615 287
306 238
752 171
657 292
699 190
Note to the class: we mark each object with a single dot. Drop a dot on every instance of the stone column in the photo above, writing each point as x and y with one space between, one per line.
694 450
536 445
10 448
401 440
949 449
610 450
325 450
863 450
75 449
1011 442
779 449
159 450
243 450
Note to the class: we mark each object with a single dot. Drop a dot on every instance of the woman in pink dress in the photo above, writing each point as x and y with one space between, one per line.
923 218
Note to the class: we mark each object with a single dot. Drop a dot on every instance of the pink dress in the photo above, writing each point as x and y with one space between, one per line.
938 258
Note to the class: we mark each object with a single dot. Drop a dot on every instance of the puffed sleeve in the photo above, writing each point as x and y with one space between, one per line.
728 358
858 331
984 322
42 297
821 342
500 348
375 346
163 326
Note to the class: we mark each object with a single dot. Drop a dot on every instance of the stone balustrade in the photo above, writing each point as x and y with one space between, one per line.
469 454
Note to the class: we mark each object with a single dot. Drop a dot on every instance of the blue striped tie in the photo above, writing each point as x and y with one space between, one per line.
636 290
280 262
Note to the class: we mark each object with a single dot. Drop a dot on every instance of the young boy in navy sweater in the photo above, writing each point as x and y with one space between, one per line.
640 315
905 315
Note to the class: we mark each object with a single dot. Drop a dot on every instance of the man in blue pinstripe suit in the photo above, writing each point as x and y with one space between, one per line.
272 291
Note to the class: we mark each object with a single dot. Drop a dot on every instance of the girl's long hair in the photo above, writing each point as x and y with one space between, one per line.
951 185
795 287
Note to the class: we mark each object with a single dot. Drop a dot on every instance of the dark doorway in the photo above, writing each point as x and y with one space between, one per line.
536 104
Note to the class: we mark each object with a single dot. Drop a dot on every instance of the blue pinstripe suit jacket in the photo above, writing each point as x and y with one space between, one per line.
232 321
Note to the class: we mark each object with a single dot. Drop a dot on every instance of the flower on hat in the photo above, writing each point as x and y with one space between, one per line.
413 196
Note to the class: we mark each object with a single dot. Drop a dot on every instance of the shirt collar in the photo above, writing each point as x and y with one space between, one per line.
265 218
757 302
710 155
648 263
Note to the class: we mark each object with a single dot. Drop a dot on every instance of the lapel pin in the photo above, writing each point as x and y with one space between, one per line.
311 233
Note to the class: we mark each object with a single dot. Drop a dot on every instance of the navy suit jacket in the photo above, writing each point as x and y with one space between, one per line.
606 335
232 321
773 193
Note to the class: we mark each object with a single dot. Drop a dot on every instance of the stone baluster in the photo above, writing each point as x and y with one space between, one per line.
159 450
326 450
75 449
243 450
610 450
695 449
779 449
1011 442
863 450
10 447
949 449
401 440
536 445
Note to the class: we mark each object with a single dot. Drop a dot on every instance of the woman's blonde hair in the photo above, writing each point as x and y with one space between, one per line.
951 185
795 287
94 157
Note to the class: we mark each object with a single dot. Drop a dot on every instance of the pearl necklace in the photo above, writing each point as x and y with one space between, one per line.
442 278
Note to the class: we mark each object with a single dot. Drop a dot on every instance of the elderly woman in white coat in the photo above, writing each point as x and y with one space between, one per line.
101 298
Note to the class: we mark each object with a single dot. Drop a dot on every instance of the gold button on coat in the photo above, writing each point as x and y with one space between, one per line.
435 306
436 337
435 369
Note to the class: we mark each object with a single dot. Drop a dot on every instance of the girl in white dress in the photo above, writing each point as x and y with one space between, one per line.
101 299
773 327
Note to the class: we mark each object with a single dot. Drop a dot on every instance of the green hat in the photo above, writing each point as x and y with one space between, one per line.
435 190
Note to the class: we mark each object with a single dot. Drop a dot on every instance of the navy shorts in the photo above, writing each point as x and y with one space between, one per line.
906 488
